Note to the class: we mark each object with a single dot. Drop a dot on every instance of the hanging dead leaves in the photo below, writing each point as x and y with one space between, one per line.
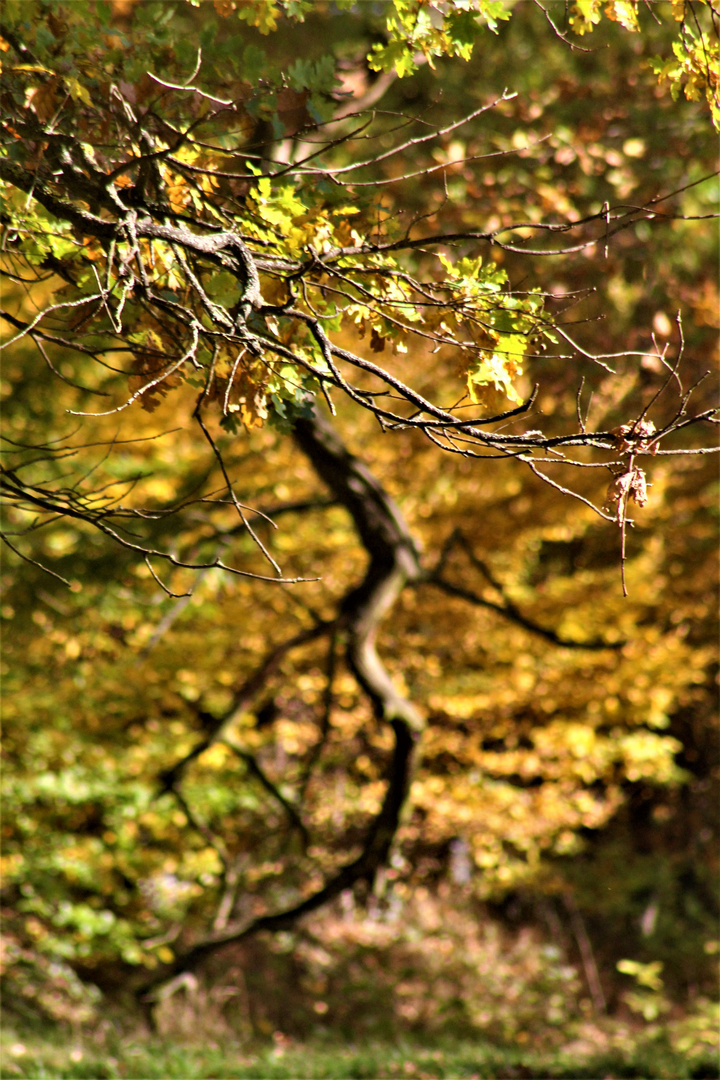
629 482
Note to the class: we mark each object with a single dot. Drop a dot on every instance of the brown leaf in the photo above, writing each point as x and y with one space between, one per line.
636 436
377 343
291 108
631 484
43 100
57 26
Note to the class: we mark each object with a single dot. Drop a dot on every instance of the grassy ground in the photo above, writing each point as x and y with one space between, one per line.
34 1057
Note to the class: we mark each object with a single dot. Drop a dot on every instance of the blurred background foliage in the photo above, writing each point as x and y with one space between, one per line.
563 823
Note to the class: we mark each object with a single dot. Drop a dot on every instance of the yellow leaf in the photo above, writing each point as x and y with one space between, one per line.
215 757
78 92
585 15
623 11
496 369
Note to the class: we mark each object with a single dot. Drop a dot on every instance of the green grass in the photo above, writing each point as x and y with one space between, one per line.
36 1058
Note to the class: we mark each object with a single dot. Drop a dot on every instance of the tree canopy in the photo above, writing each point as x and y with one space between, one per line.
345 346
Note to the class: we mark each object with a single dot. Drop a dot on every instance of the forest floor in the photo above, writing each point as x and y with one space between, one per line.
54 1056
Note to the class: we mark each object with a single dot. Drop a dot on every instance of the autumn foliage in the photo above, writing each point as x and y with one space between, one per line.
361 505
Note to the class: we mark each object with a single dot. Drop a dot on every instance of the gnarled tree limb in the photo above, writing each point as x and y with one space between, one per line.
394 561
